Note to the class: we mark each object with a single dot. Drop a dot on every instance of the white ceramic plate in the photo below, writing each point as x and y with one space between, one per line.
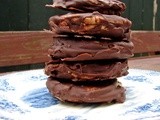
24 96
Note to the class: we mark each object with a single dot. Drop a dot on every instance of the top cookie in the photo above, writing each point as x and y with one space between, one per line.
110 7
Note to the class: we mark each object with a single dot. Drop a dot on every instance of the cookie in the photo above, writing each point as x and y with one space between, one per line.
93 24
87 70
100 92
110 7
81 49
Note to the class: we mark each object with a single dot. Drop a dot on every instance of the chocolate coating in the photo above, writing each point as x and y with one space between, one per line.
81 93
103 6
81 49
94 24
87 71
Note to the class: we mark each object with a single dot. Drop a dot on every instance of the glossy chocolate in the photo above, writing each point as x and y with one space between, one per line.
94 24
87 70
111 7
81 49
82 93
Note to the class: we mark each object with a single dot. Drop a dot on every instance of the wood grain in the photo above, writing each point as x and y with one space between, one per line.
20 48
146 41
147 63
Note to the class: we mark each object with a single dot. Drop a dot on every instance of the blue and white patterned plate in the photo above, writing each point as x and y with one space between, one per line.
24 96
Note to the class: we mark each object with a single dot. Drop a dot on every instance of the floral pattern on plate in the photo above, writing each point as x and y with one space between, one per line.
23 95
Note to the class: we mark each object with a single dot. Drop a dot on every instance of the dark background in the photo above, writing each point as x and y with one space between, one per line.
24 15
31 15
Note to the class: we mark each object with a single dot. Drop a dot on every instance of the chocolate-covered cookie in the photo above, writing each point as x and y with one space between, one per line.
111 7
94 24
106 92
81 49
87 70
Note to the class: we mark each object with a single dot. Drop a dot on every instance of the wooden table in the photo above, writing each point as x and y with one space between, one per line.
147 63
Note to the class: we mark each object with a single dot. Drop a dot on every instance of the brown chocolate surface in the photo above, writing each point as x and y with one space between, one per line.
80 49
112 7
87 70
94 24
82 93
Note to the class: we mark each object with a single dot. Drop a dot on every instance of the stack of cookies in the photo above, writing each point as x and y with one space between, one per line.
89 52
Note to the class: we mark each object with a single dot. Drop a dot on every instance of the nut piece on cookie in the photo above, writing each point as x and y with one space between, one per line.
94 24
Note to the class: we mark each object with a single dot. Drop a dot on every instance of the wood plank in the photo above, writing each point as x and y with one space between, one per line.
18 48
146 41
147 63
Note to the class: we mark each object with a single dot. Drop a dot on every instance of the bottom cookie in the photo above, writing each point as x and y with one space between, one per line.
109 91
